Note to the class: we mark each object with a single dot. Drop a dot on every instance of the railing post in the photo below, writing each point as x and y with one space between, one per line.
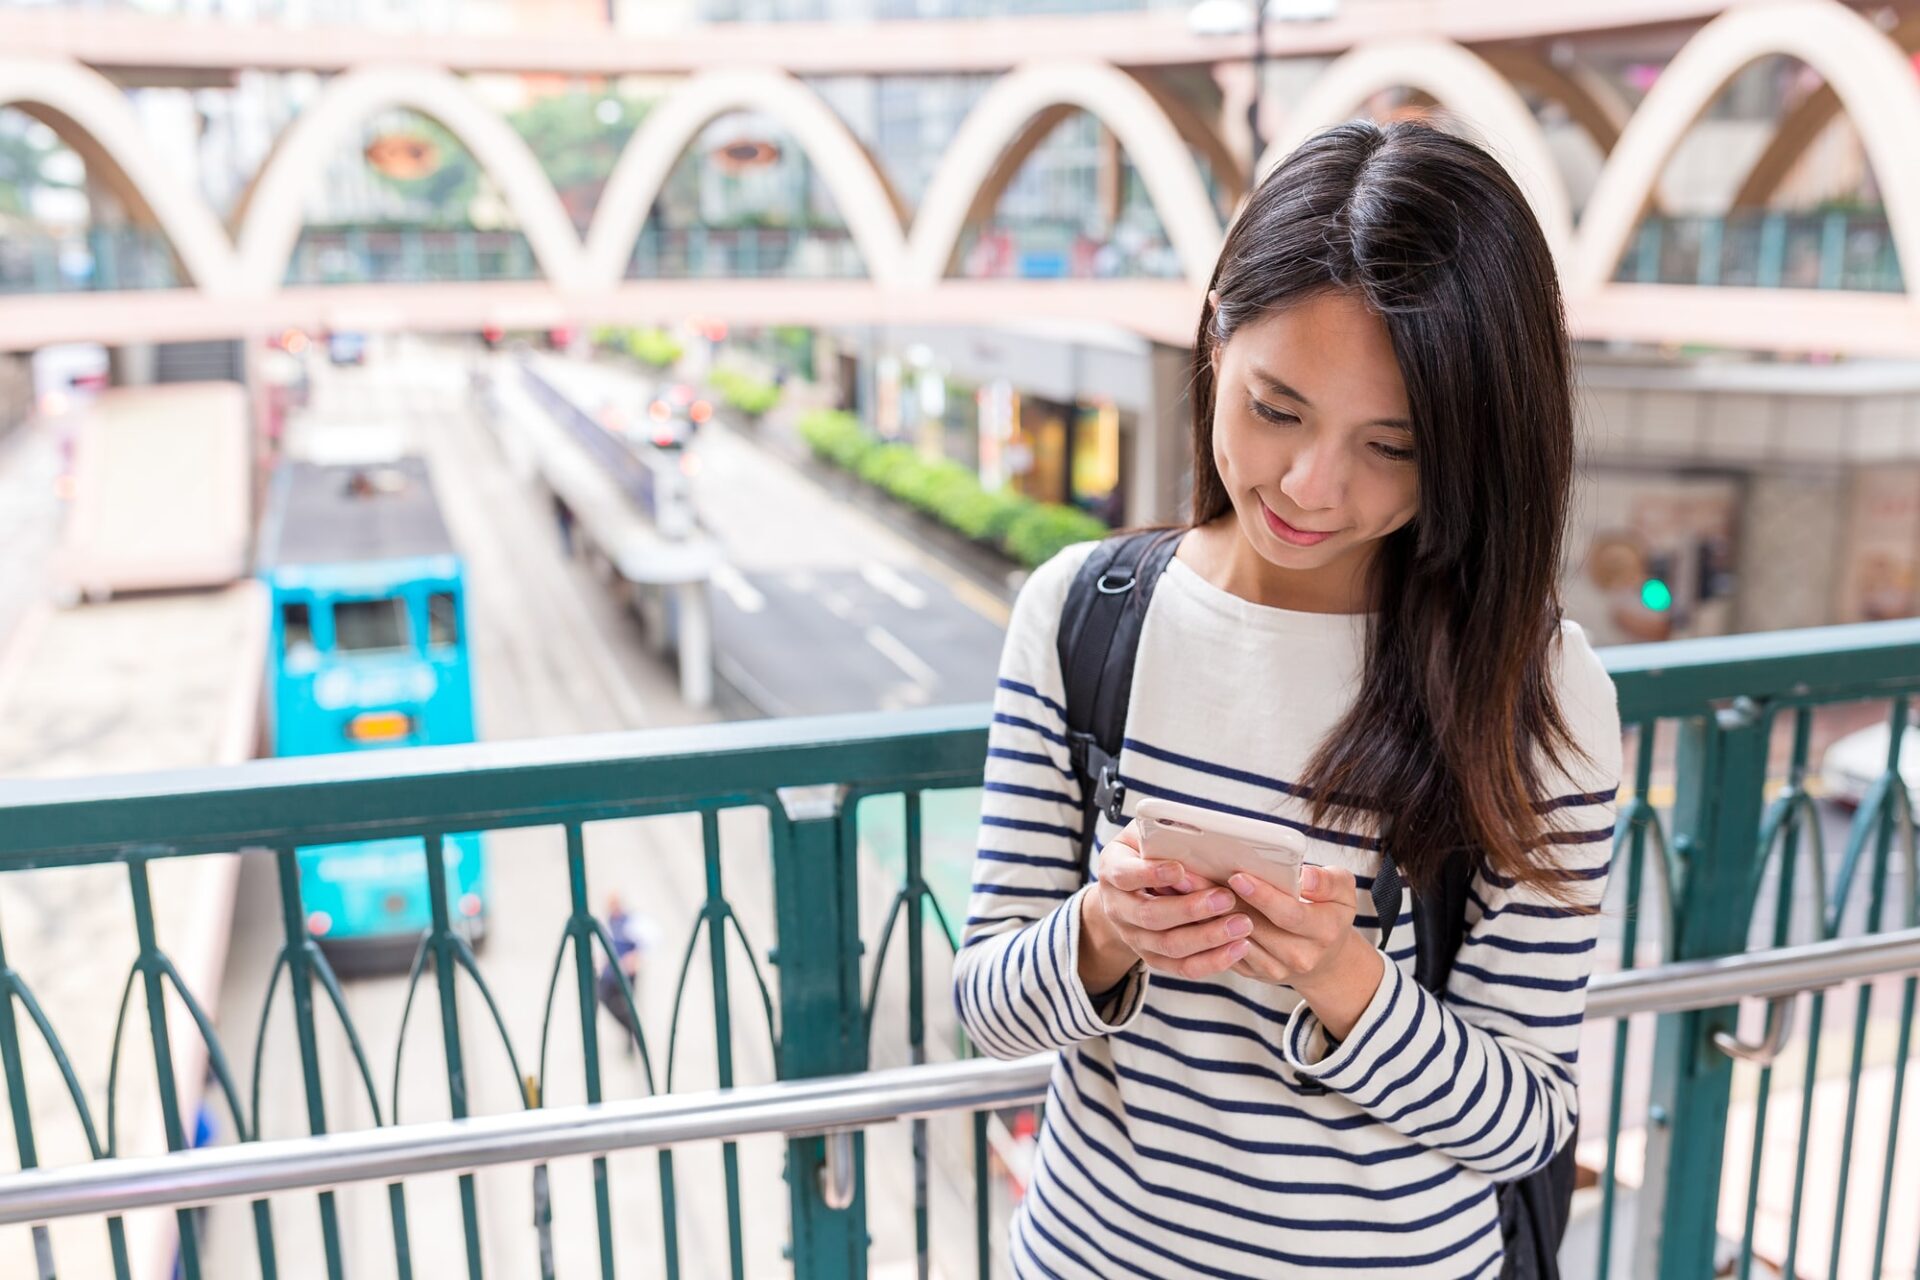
817 906
1720 778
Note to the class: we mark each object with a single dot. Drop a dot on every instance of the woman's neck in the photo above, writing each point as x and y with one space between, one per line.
1219 552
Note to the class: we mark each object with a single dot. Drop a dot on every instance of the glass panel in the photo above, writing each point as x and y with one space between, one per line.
296 628
443 620
361 625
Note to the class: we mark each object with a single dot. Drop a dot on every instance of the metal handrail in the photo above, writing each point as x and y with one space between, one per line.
793 1107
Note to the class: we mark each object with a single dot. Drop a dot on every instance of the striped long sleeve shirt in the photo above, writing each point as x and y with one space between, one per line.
1212 1128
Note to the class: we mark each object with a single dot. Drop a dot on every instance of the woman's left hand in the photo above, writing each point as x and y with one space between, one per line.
1296 940
1309 943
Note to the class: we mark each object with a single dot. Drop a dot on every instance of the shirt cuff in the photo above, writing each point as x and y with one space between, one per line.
1312 1052
1110 1010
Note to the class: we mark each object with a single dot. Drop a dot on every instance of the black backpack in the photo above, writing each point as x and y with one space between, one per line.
1099 636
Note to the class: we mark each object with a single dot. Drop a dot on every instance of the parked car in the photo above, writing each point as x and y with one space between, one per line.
1853 763
347 348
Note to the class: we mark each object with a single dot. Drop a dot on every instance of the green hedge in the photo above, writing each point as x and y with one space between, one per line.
654 347
750 395
1031 532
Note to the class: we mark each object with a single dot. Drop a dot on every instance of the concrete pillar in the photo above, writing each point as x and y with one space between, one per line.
695 642
1792 553
131 364
1108 184
1158 478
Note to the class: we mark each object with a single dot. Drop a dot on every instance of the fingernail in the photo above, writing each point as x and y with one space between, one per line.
1310 879
1185 885
1239 926
1219 900
1237 950
1242 885
1166 872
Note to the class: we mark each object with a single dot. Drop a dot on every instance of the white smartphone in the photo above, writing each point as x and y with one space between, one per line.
1215 845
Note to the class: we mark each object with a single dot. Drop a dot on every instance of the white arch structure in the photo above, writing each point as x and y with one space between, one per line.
907 262
1868 72
99 110
270 217
1462 82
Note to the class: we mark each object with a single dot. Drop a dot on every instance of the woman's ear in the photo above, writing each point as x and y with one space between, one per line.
1213 299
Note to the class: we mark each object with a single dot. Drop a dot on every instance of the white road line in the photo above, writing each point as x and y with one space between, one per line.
884 579
837 605
737 589
895 651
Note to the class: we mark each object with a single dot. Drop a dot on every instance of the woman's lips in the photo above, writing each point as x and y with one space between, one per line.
1287 533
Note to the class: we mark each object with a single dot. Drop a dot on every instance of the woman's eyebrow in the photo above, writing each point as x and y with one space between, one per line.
1278 387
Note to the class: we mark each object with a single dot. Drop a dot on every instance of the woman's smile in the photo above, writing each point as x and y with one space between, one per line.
1288 533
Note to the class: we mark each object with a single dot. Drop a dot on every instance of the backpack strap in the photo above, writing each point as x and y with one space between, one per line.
1439 916
1100 625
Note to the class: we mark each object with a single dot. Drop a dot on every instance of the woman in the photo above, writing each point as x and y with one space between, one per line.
1359 637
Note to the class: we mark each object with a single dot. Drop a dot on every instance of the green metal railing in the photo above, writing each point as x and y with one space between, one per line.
1821 249
866 829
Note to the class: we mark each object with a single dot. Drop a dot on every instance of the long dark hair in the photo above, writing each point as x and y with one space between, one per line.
1441 748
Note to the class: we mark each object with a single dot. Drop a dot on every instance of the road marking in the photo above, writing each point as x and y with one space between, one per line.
737 589
1661 794
837 605
883 579
895 651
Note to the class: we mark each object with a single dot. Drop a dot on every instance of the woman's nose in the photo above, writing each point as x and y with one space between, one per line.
1315 477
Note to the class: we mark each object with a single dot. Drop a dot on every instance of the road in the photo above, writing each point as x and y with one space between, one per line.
29 517
553 654
819 608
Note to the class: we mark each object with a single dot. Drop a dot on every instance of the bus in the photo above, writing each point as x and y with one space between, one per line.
367 649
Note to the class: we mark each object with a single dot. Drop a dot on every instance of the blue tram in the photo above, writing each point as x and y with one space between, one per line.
368 650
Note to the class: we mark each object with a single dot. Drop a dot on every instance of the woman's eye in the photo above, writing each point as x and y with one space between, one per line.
1271 414
1393 453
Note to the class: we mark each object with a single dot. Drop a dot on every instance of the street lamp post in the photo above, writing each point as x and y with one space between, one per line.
1239 17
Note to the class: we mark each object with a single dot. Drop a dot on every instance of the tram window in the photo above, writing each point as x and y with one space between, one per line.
296 629
443 621
360 625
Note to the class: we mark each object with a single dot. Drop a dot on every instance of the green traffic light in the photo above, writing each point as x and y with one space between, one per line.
1656 595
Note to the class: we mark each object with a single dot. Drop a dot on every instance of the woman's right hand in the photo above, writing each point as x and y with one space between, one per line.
1152 912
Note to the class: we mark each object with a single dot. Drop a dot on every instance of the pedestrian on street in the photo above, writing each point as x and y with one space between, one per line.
1357 643
632 937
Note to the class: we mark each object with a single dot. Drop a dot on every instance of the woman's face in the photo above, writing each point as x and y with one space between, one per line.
1312 435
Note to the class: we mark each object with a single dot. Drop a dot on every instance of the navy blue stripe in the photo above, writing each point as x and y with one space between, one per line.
1577 799
1531 910
1023 891
1014 686
1525 1019
1031 793
1591 835
1217 770
1563 874
1187 1264
1212 1066
1221 990
1039 828
1527 980
1033 1221
1028 757
1305 792
1520 946
1232 1106
1329 834
1287 1222
1208 1026
1018 722
1449 1082
1225 1172
1027 859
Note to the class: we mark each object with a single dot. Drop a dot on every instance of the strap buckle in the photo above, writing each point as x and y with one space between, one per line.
1110 792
